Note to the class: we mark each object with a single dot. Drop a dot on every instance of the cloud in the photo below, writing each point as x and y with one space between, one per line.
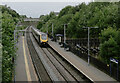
35 9
46 0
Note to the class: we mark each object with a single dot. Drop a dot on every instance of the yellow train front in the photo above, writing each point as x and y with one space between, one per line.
41 38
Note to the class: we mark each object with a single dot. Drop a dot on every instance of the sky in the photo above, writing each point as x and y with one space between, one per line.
35 8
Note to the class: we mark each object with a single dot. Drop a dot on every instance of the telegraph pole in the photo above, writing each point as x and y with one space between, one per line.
89 43
52 30
64 33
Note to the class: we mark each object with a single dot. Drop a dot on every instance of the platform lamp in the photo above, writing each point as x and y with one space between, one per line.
65 33
47 27
52 30
89 43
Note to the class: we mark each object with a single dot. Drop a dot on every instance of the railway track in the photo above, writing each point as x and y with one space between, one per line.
67 71
59 69
39 67
77 75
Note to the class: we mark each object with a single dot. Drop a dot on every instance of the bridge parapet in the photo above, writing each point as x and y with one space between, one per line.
31 19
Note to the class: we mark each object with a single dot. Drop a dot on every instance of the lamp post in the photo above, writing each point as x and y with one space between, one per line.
117 62
89 43
52 30
47 27
15 31
64 33
15 46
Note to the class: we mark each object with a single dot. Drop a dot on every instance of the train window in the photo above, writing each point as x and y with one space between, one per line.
43 36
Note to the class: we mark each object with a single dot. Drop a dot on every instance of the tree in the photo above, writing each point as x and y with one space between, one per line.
9 20
64 11
107 33
108 47
102 15
40 24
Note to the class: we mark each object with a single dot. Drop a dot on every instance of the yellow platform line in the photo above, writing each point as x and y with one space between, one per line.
26 63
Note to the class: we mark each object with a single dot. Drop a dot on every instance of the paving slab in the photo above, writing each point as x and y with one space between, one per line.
24 69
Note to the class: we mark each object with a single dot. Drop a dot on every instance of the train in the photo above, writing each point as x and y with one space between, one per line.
41 38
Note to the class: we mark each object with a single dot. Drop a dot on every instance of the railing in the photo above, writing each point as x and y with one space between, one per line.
97 63
82 45
79 48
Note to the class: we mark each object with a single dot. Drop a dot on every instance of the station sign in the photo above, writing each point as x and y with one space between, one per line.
78 45
114 60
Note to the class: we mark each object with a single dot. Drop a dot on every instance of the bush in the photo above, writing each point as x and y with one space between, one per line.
102 14
108 47
9 20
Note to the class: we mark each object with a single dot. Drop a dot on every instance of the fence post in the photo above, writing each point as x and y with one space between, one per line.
110 68
117 70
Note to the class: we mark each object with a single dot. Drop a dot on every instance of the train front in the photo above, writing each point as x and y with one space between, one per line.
44 39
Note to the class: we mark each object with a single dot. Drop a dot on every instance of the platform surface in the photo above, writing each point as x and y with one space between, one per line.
90 71
24 69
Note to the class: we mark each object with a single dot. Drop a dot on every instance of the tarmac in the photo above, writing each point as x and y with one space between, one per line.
24 69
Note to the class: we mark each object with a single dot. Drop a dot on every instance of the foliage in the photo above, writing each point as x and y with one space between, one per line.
107 33
9 20
109 47
118 43
100 14
40 24
10 11
65 11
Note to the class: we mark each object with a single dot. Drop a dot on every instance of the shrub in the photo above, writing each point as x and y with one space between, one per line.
109 46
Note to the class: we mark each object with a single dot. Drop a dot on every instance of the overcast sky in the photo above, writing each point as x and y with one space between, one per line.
35 9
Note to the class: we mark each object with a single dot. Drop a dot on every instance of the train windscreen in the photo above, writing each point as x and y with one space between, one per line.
43 36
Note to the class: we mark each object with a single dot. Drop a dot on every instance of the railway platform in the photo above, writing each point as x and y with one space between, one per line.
24 69
90 71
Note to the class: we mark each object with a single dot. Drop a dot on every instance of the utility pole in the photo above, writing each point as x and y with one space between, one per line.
52 30
64 33
89 43
14 38
47 28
